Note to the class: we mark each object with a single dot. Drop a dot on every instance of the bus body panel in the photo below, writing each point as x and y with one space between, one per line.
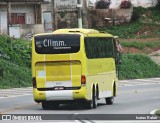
101 72
53 74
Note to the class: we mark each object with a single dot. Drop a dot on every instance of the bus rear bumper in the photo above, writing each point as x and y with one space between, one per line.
59 95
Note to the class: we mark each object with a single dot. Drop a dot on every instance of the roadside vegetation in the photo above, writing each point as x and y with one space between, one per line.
136 66
157 112
15 62
145 23
139 38
141 45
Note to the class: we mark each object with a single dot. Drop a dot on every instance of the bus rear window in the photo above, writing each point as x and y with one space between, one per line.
57 44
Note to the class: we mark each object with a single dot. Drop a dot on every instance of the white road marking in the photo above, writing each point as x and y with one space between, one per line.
76 113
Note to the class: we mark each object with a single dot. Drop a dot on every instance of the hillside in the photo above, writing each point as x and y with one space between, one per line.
145 23
15 61
141 42
142 34
136 66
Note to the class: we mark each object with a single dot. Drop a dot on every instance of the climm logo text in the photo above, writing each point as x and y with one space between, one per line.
51 43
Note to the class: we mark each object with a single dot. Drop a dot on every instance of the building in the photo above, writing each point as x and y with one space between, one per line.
18 18
23 18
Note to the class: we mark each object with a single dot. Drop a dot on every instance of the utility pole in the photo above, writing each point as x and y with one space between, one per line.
113 17
79 6
86 15
54 18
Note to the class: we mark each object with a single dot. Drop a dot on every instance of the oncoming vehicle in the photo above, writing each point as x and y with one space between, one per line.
74 65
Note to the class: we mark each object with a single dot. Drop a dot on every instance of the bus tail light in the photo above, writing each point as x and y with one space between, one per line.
34 82
83 80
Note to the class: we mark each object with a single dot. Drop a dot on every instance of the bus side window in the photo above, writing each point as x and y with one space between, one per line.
109 48
99 47
89 48
114 48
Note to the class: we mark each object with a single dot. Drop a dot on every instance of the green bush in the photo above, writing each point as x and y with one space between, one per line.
135 66
157 112
123 31
15 60
15 50
14 75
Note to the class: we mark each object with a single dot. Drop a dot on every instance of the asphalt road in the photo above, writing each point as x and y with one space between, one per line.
135 97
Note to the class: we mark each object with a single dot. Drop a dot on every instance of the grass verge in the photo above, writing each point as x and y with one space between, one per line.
141 45
136 66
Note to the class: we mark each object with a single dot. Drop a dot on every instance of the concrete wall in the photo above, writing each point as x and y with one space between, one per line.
144 3
123 15
26 30
3 22
97 17
31 28
115 4
65 4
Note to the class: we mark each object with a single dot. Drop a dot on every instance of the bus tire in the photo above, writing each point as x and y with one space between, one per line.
97 93
93 102
109 100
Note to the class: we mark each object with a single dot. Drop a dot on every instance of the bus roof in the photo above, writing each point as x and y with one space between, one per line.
90 32
80 30
76 30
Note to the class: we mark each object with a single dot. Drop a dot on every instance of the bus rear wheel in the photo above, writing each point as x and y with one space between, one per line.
93 102
110 100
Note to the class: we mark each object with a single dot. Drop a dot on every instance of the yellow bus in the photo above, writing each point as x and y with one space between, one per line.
74 65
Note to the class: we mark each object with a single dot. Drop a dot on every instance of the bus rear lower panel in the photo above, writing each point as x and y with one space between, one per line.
59 95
